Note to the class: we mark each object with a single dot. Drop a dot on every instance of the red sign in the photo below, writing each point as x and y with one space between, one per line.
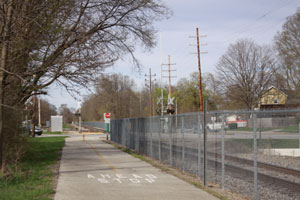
107 115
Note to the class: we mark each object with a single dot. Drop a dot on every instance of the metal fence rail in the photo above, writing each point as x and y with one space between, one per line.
238 142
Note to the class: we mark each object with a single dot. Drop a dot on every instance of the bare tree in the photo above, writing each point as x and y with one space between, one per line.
117 95
47 110
245 71
288 45
214 90
67 114
68 42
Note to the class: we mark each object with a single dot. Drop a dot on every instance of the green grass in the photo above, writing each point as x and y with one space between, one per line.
249 129
52 133
292 129
34 179
66 126
288 129
270 143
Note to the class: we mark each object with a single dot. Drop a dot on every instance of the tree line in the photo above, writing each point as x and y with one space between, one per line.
243 73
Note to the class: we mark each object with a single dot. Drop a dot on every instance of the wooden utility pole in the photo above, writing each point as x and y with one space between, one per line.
170 77
203 121
34 115
169 69
150 75
39 109
199 68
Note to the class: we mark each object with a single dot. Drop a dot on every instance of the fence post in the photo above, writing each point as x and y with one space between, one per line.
204 141
111 131
135 135
299 134
255 197
199 145
117 132
182 140
123 130
138 135
223 151
151 139
171 152
159 139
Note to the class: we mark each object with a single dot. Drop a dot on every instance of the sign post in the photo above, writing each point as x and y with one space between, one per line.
107 122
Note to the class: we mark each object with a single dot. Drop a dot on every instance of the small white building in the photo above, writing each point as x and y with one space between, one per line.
56 123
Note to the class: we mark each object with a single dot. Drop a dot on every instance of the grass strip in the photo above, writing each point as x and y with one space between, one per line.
34 177
249 129
52 133
269 143
189 178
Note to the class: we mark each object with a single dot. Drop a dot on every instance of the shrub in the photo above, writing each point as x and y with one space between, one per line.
232 126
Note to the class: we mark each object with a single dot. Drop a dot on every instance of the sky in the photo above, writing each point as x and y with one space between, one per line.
221 22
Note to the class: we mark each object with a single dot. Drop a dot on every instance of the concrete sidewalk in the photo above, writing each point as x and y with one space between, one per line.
92 169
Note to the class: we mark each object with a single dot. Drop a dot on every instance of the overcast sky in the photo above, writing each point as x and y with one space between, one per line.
222 21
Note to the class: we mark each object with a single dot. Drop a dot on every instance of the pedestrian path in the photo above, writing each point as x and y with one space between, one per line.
92 169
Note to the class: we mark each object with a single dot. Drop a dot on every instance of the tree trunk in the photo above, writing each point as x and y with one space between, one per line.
1 115
3 62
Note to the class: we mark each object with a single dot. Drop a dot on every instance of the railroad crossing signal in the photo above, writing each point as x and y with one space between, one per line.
170 100
159 99
170 104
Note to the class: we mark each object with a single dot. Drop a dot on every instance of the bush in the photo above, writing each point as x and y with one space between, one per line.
232 126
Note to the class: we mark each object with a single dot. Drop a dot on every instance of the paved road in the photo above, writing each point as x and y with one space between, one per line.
92 169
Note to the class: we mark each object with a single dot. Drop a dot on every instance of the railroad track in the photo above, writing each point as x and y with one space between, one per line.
295 187
283 170
93 129
262 165
192 154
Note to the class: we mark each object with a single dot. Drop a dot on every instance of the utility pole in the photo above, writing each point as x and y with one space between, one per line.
199 68
150 89
39 107
161 80
201 107
78 114
170 99
34 116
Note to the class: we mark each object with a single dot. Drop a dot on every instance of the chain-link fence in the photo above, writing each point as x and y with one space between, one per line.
101 125
254 153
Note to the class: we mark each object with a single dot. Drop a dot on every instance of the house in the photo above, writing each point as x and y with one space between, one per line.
272 99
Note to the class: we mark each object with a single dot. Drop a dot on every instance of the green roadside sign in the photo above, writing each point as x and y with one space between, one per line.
107 127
